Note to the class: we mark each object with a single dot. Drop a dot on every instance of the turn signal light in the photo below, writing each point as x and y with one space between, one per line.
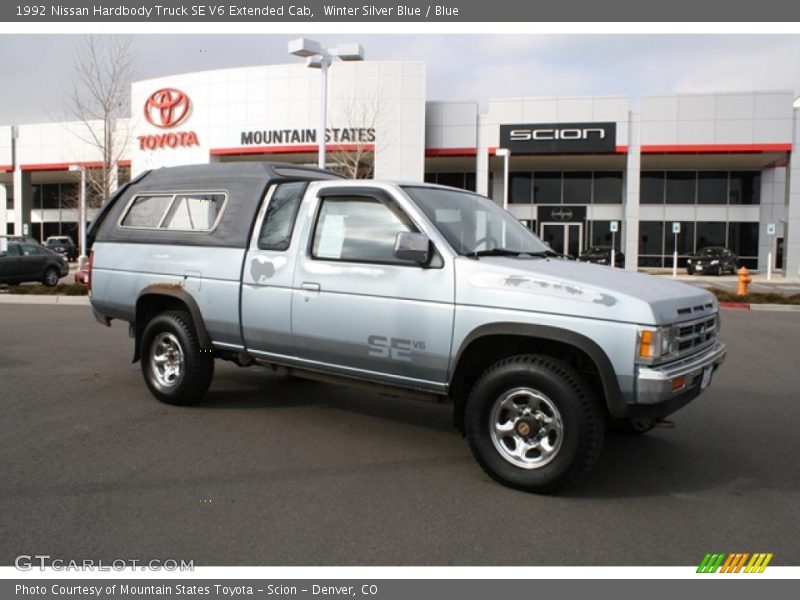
646 343
678 383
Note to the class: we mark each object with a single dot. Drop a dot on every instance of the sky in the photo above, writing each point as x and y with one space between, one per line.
36 69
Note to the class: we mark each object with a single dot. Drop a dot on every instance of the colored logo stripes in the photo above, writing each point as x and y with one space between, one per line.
735 562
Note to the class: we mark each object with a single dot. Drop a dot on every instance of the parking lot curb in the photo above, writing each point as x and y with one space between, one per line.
735 305
34 299
775 307
760 307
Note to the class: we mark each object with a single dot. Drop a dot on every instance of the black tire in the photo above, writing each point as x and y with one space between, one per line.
631 427
173 334
50 277
582 421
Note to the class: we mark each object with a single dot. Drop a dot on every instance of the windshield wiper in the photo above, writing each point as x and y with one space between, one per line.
544 253
492 252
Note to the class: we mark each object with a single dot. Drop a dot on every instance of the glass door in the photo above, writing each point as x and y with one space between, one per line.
565 238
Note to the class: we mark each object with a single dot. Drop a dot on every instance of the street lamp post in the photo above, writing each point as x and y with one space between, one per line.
81 212
319 57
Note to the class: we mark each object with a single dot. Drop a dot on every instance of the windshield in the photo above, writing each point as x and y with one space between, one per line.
710 252
473 224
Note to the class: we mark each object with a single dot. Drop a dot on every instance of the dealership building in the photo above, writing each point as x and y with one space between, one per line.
648 175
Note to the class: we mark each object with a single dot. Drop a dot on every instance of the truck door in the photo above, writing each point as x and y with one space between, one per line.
357 309
268 272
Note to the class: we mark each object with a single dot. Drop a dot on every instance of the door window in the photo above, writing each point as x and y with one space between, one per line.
276 231
358 229
30 250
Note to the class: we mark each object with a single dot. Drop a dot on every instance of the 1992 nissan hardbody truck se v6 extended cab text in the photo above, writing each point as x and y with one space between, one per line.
412 289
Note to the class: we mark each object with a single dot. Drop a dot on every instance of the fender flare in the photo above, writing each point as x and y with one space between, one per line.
615 400
177 292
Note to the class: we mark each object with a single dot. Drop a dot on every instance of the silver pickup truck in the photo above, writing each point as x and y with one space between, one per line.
411 289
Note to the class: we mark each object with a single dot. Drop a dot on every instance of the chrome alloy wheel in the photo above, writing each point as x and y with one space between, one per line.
166 360
526 428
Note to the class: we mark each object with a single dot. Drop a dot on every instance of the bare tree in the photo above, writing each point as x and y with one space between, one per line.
355 158
99 96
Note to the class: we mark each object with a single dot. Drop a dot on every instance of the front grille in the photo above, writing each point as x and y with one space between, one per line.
692 336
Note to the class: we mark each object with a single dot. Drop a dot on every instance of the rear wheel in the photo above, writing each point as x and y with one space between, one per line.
175 368
532 423
50 278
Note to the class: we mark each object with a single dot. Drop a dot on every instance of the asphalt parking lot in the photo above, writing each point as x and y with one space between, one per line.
274 471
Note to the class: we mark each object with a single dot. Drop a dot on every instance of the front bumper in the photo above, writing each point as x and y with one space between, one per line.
657 385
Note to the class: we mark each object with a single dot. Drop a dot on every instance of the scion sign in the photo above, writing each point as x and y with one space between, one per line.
558 138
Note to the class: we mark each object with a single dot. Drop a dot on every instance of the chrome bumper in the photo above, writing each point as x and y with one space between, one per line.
655 384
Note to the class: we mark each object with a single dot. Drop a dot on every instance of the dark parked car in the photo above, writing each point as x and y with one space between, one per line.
28 261
601 255
62 244
712 260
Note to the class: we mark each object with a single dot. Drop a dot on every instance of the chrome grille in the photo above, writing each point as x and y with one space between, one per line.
694 335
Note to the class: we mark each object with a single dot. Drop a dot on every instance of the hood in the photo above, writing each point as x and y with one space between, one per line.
579 289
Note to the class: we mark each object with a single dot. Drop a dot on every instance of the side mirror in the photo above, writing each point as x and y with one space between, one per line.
412 246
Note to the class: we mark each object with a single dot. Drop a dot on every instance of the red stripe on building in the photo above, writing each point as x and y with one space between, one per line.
6 168
123 163
714 148
61 166
289 149
452 152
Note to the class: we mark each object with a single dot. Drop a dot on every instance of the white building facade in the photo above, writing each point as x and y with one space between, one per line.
718 168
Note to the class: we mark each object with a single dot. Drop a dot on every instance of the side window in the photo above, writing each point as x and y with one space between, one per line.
30 250
13 250
358 229
276 230
194 212
146 211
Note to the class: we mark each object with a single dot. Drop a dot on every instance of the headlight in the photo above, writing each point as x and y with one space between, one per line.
715 262
653 343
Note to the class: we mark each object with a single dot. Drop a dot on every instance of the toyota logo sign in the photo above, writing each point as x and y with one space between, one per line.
166 108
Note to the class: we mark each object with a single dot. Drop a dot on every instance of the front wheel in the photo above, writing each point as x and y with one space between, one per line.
175 368
50 278
532 423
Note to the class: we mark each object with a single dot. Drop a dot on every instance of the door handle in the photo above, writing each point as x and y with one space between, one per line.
310 287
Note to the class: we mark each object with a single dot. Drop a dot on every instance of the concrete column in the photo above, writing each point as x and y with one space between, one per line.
23 201
3 199
632 177
482 159
791 245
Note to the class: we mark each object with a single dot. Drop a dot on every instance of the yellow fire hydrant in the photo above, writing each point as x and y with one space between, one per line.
744 280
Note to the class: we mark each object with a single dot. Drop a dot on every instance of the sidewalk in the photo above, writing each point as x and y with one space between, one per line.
35 299
777 285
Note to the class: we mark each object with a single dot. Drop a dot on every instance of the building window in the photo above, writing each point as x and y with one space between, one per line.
685 243
601 235
743 241
9 197
710 233
578 187
712 187
547 187
651 187
607 187
745 187
460 180
681 187
520 188
651 243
